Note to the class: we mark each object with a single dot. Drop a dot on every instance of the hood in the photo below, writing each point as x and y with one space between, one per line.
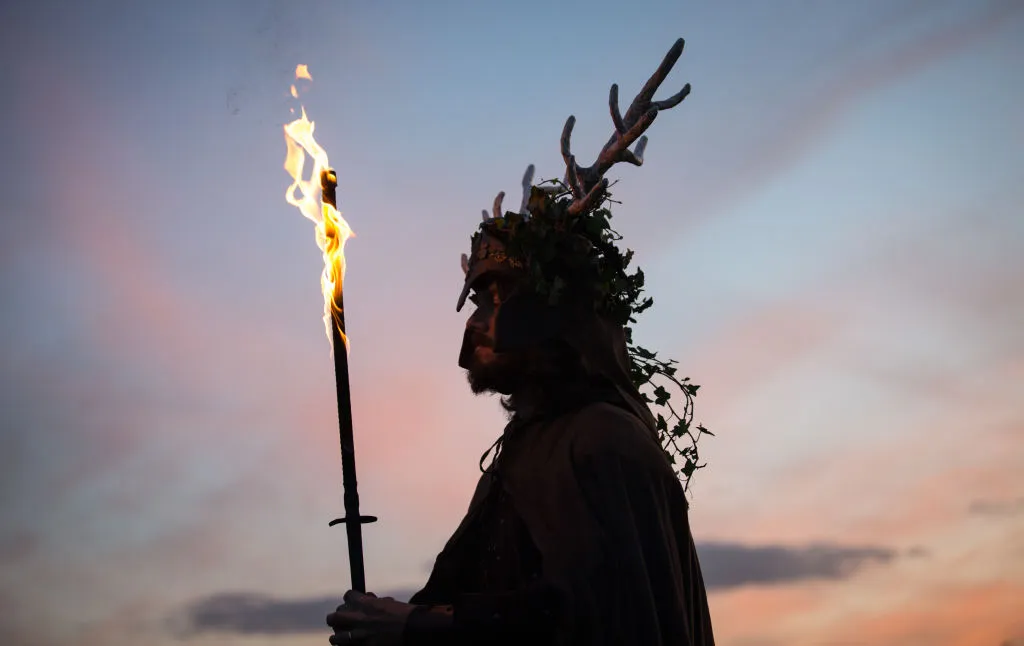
602 344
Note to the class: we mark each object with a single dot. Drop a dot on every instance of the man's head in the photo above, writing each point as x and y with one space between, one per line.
530 278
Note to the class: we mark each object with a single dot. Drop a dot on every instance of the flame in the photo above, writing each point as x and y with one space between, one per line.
301 72
331 229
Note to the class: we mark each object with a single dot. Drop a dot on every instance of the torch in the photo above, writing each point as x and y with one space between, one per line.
331 233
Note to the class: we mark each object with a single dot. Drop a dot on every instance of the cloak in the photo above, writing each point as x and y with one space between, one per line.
599 501
608 515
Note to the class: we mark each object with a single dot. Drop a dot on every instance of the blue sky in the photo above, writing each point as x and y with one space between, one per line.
830 226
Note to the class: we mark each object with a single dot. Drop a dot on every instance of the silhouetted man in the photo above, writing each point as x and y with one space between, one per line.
578 530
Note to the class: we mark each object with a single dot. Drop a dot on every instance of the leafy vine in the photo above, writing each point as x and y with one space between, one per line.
558 250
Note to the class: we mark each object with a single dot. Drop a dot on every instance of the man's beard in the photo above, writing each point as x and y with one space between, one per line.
532 380
502 374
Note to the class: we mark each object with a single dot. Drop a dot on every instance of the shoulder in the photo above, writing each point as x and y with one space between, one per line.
602 431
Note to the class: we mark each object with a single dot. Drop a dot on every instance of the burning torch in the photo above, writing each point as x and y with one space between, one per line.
331 233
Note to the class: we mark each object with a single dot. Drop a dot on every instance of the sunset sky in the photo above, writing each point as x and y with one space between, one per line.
831 226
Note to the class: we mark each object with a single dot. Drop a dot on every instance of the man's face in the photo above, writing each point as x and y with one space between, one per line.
490 371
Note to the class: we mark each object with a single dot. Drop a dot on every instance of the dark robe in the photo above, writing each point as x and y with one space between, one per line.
579 535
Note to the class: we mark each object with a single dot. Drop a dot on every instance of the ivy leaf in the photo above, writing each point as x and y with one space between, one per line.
681 428
661 396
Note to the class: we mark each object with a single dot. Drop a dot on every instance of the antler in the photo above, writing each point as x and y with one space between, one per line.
588 184
527 185
496 209
500 197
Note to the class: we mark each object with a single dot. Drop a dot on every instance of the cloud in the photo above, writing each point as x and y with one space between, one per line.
728 565
725 565
258 614
247 613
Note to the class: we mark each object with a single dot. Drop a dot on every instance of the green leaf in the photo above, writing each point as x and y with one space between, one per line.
661 396
681 428
644 352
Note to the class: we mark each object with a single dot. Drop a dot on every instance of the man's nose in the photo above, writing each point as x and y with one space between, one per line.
476 323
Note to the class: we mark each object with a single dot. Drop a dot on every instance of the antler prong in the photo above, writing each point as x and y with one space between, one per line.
651 86
638 152
584 182
566 134
497 204
572 177
465 264
527 184
613 107
486 216
673 100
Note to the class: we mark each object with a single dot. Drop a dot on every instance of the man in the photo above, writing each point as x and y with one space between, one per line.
577 532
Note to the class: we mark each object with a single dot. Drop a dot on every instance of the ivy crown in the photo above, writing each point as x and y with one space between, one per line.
575 256
561 251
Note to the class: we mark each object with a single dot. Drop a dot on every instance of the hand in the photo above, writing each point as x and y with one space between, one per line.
365 619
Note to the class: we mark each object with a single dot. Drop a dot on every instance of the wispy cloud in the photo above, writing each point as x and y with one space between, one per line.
729 565
725 566
256 614
797 114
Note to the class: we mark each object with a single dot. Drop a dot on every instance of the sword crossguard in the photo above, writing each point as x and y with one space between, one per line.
362 520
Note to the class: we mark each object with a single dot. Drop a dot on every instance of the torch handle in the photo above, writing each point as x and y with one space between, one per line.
353 520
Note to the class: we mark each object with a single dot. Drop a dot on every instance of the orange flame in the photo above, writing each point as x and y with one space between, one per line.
331 229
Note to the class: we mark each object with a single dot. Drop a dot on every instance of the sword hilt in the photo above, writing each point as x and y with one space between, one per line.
363 520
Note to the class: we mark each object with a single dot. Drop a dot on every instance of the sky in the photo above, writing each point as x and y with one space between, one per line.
830 225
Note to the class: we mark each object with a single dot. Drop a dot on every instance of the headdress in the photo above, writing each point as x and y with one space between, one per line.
561 245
